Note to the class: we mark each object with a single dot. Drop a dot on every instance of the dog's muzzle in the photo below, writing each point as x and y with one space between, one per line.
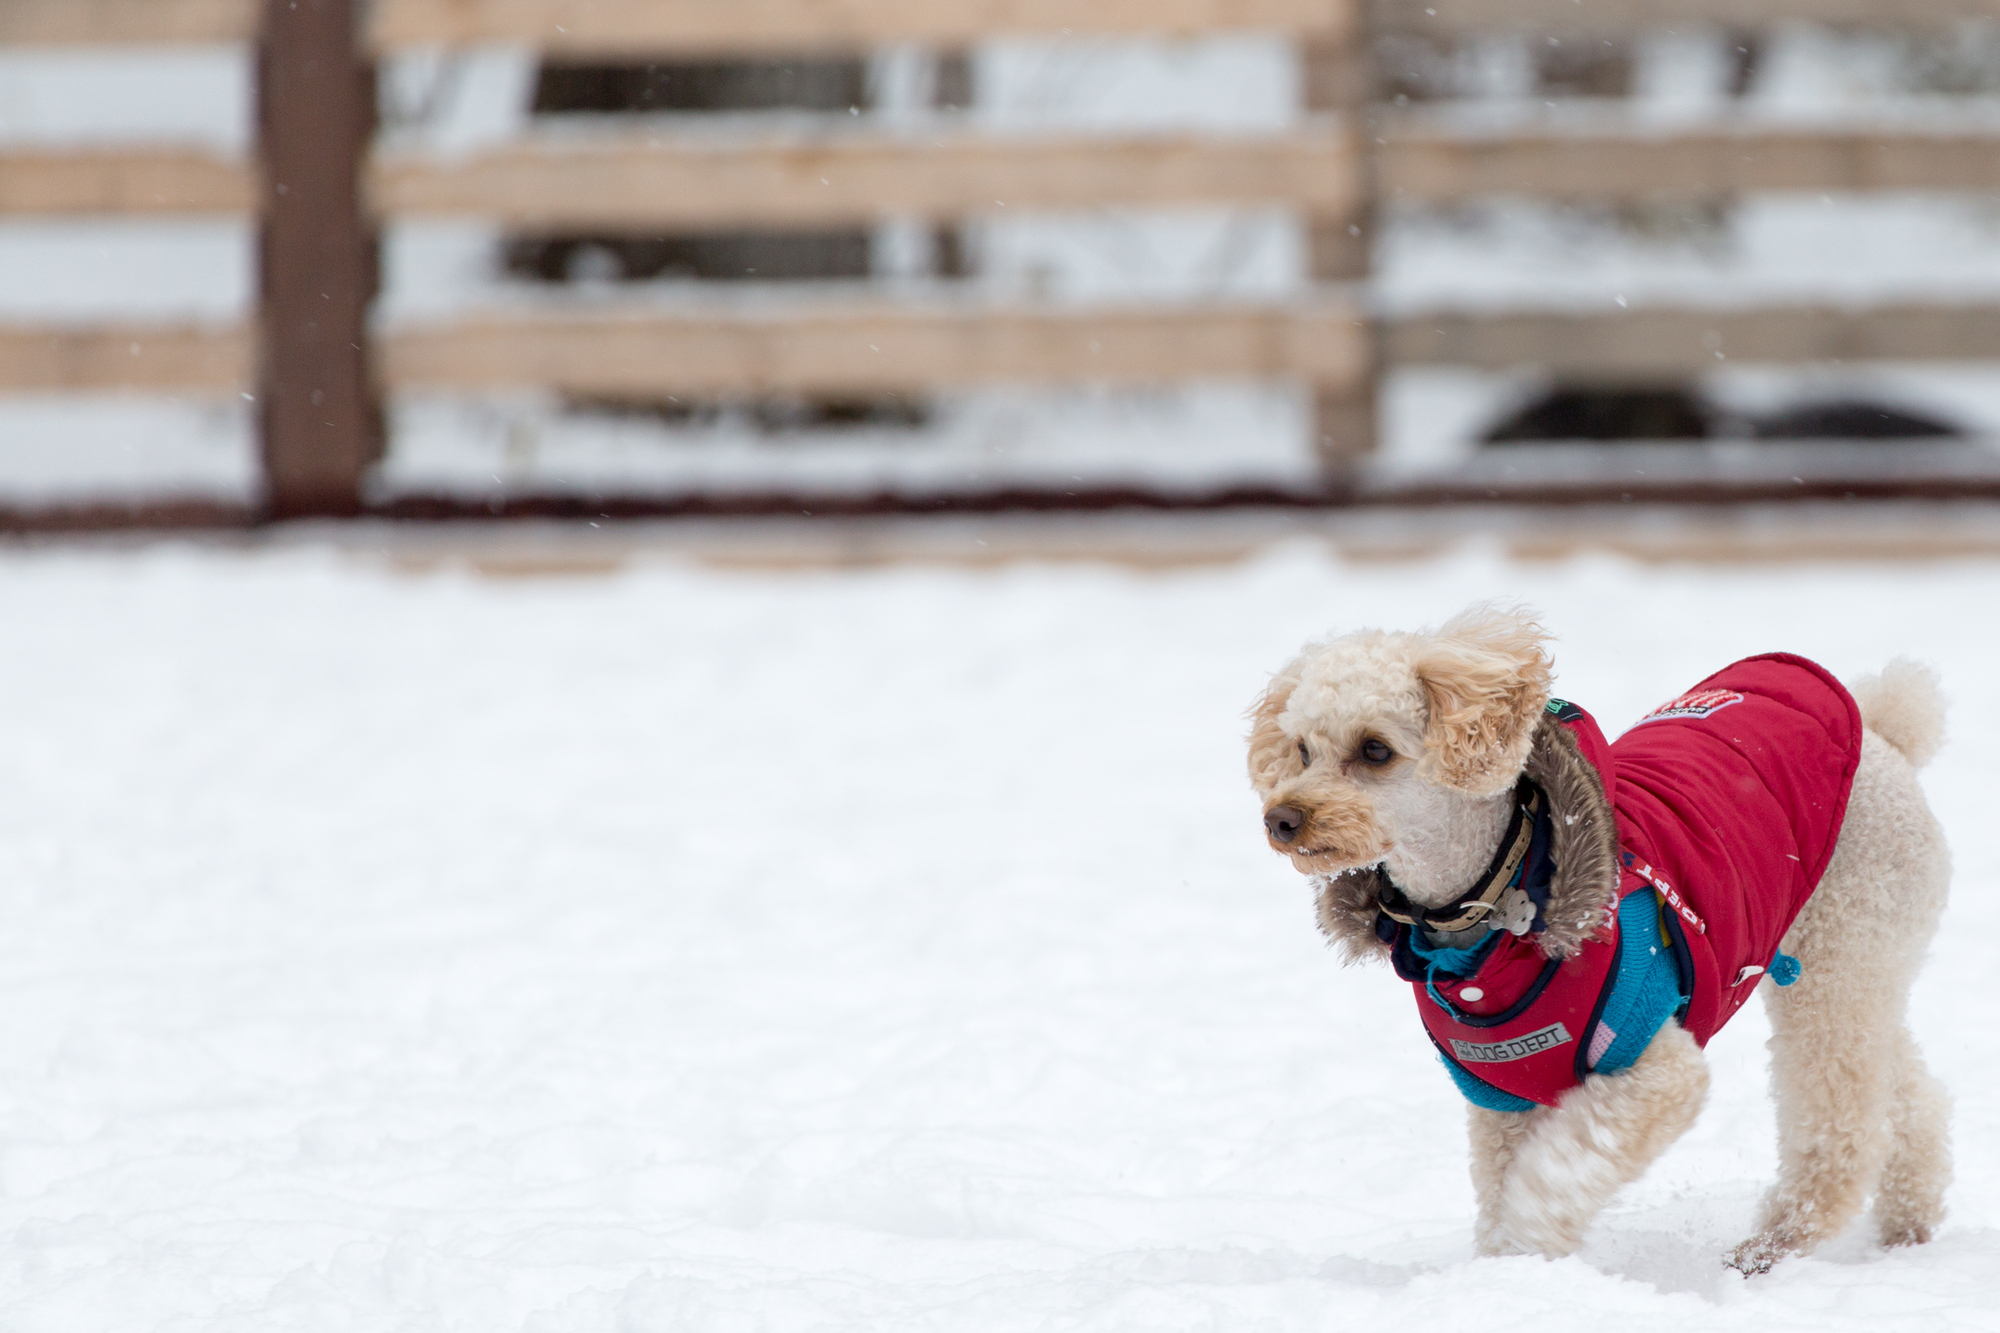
1283 822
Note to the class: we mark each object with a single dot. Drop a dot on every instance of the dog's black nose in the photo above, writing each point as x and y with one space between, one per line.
1284 821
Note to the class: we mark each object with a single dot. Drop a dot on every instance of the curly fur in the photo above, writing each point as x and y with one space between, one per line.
1584 849
1462 707
1456 708
1485 679
1904 705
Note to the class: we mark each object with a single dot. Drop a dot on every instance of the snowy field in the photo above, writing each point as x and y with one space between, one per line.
896 950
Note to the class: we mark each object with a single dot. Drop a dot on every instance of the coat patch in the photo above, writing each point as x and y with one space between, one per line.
1519 1048
1697 703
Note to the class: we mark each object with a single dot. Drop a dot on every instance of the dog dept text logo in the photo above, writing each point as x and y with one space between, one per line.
1520 1048
1700 703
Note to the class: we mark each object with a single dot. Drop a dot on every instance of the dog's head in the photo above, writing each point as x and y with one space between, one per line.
1366 743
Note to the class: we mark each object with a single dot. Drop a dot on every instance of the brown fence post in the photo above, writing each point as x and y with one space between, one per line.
316 263
1339 76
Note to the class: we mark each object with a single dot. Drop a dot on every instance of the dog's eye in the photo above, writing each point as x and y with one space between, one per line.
1305 757
1375 752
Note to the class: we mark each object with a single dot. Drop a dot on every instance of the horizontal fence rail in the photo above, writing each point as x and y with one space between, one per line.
126 181
742 27
791 349
751 27
887 349
609 27
1656 342
637 181
1456 17
1431 165
126 22
88 358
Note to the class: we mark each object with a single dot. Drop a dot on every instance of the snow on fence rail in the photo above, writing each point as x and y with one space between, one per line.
321 189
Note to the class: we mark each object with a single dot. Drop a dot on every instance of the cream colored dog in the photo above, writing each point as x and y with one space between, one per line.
1402 750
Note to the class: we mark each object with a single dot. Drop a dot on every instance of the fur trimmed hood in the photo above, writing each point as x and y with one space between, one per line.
1584 849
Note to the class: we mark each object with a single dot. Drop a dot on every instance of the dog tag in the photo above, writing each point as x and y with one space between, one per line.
1515 913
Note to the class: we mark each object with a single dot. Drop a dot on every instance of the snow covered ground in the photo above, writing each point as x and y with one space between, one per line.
895 950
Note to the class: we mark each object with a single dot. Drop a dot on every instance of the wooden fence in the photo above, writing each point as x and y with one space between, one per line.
320 189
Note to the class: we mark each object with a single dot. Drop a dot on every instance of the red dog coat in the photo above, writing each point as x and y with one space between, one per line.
1728 803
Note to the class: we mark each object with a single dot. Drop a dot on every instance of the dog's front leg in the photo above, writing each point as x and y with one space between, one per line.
1571 1158
1495 1137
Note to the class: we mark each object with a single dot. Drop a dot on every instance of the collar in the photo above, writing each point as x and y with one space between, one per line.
1572 870
1483 899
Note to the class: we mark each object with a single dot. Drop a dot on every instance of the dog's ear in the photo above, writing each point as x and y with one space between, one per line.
1485 680
1270 748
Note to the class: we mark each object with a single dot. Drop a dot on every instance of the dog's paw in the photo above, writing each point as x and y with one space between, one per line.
1906 1233
1906 1217
1758 1254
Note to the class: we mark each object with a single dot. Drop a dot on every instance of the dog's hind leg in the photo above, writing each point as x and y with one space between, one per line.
1853 1095
1909 1203
1574 1156
1495 1136
1829 1077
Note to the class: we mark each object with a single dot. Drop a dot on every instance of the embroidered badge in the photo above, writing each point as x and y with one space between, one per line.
1699 703
1520 1048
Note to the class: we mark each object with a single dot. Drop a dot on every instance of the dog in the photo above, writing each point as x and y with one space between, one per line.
1765 831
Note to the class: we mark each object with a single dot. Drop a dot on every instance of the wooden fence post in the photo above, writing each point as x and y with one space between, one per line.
1339 76
320 422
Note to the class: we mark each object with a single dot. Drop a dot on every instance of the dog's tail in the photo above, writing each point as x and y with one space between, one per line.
1905 707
